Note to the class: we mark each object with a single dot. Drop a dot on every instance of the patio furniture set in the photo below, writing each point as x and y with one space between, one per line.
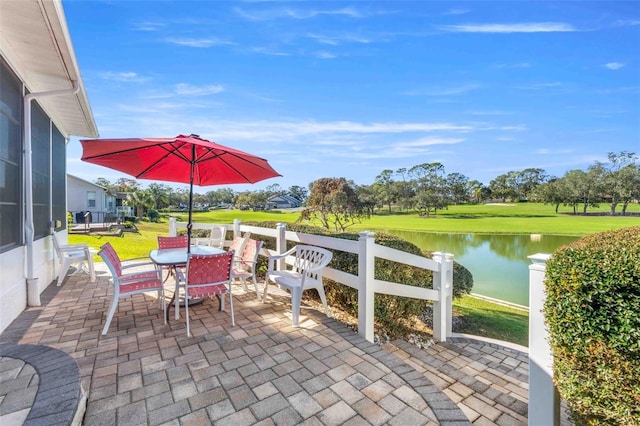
200 270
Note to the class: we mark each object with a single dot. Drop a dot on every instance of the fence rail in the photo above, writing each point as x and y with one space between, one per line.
364 282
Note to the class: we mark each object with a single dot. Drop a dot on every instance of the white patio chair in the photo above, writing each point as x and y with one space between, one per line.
70 254
305 273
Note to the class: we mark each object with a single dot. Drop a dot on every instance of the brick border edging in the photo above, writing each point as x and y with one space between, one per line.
59 394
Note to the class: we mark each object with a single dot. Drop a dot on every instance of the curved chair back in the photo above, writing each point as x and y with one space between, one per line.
172 242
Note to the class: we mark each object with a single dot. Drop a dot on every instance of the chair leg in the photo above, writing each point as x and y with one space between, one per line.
64 267
296 296
255 285
186 310
324 299
233 319
112 310
266 287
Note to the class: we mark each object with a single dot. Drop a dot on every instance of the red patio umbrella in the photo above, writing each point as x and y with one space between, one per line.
185 159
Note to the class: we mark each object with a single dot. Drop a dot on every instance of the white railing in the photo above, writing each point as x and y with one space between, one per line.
365 282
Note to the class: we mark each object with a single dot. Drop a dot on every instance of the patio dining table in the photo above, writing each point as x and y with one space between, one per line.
177 257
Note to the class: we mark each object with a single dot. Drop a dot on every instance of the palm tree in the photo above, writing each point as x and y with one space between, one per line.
139 200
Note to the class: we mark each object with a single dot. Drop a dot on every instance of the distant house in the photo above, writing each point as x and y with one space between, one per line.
283 202
84 196
42 103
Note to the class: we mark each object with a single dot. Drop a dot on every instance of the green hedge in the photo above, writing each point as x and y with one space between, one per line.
391 312
593 313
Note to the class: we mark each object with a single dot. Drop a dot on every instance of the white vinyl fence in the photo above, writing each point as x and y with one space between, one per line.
365 282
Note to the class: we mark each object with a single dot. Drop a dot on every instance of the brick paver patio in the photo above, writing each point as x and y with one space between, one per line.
263 371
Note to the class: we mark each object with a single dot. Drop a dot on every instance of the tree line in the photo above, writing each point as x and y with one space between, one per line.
424 188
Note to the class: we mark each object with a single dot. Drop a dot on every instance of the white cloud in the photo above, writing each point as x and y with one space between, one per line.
455 12
429 142
124 77
514 65
148 26
541 86
335 40
269 51
614 65
191 90
547 151
198 42
271 14
322 54
531 27
449 91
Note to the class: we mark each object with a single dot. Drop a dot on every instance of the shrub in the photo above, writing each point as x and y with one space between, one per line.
153 215
391 312
593 314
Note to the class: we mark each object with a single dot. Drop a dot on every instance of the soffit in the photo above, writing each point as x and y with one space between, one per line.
35 40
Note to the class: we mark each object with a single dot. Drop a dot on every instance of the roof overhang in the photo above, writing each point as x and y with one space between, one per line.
35 41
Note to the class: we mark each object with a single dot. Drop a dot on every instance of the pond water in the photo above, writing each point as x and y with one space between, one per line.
498 262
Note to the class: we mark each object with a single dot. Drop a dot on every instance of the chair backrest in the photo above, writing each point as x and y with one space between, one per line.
310 260
251 251
209 268
111 259
238 243
172 242
217 236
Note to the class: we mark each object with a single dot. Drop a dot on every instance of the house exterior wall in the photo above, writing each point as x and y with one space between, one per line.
77 197
42 102
13 256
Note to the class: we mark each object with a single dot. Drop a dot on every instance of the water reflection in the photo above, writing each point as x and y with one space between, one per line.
498 262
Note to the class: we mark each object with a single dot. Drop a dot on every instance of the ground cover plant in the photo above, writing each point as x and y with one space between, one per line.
592 306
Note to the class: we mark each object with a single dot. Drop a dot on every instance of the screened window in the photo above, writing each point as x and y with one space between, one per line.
41 161
91 199
10 159
58 177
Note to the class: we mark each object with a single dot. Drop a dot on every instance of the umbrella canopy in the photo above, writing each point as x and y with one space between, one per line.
183 159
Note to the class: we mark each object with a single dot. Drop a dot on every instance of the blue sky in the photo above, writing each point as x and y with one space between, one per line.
348 89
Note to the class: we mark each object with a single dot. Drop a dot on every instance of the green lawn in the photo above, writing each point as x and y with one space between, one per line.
484 318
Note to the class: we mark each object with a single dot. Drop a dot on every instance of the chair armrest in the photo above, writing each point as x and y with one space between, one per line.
272 259
140 276
136 264
73 247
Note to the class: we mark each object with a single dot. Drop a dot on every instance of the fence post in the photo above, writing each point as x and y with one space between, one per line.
442 308
544 400
236 228
173 229
366 290
281 243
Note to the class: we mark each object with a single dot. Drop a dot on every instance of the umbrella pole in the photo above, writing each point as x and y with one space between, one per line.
189 225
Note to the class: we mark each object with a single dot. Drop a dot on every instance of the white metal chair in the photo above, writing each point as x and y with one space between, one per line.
305 273
145 276
245 267
70 254
208 275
